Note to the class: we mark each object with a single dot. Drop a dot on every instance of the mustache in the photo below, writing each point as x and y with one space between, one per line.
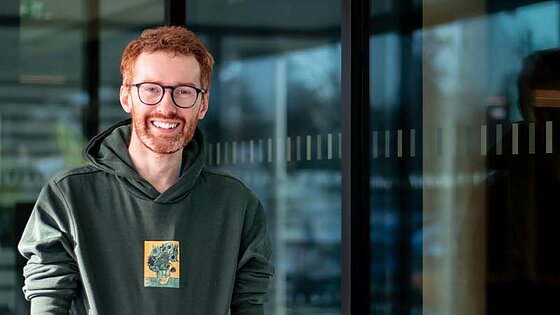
164 117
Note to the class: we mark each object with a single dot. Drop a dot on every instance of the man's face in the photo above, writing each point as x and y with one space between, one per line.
164 128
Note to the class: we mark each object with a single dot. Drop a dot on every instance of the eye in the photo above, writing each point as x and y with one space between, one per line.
185 91
151 89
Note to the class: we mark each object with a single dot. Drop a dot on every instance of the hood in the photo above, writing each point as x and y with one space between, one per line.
108 152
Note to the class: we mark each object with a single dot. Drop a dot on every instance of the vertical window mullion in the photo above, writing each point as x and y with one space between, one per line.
90 115
175 12
355 158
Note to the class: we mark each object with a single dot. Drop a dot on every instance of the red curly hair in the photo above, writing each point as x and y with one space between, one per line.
174 39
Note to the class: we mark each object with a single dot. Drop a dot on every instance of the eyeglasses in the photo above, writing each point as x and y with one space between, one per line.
184 96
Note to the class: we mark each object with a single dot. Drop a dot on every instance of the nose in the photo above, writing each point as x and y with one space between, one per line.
166 106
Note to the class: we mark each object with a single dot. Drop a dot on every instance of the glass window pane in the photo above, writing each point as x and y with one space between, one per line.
396 157
465 157
121 22
44 102
41 104
274 122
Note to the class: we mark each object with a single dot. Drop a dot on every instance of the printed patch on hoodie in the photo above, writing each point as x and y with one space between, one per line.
161 264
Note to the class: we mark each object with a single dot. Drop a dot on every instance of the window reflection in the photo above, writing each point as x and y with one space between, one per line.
44 101
396 178
41 101
488 162
273 124
522 264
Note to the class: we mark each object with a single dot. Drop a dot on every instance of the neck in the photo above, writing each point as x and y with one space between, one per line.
160 170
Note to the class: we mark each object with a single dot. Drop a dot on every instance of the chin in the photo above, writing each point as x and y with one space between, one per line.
157 146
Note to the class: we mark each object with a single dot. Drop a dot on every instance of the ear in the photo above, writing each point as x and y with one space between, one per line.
124 97
203 108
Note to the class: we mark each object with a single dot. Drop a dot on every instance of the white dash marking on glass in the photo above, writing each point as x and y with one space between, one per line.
226 153
251 151
329 146
339 145
412 142
483 137
387 143
499 139
532 137
308 144
298 148
261 150
374 145
319 147
549 148
399 143
234 152
515 139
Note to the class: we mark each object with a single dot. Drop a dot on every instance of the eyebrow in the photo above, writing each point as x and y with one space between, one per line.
176 83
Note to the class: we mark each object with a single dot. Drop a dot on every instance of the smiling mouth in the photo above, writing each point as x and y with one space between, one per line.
164 125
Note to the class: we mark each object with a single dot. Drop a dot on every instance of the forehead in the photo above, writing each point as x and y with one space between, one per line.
167 68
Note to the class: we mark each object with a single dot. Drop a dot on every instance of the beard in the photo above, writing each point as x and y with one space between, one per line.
162 144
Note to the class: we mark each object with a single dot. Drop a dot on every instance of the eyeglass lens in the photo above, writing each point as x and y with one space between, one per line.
183 95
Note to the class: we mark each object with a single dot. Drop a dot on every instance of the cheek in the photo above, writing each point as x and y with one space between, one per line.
138 111
137 116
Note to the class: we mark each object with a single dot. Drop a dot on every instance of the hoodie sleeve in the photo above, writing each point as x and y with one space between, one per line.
51 273
254 269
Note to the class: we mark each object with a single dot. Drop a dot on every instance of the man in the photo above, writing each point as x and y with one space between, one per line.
145 227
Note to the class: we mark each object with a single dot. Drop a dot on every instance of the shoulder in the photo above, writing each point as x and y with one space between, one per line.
225 182
221 176
74 174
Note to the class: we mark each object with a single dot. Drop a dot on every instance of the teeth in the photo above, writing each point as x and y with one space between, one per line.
164 125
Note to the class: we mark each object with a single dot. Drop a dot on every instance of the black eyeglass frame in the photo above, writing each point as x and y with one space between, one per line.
165 87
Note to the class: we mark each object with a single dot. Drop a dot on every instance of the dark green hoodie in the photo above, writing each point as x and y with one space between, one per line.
102 240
